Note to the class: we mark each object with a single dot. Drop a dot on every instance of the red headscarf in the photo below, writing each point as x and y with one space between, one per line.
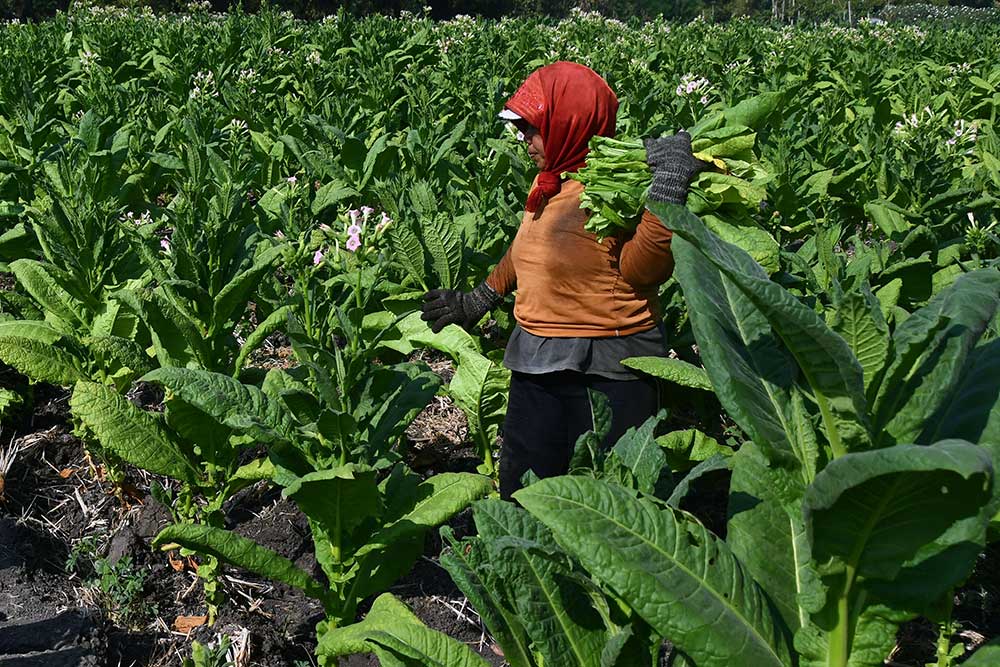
568 103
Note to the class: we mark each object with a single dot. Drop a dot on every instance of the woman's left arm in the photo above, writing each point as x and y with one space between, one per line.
645 259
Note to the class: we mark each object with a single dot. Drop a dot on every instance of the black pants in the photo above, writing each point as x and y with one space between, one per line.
546 414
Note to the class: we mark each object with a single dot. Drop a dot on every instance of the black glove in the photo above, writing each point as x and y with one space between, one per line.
674 167
449 306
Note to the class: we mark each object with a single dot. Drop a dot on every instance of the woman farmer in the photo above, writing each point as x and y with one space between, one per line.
582 305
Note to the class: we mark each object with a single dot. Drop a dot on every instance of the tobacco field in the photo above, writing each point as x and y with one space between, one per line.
228 439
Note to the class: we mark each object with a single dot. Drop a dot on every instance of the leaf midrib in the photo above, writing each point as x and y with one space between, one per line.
681 565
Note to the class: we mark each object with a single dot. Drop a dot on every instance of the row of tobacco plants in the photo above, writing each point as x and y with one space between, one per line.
177 191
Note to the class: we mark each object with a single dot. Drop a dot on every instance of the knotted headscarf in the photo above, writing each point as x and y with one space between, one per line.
568 103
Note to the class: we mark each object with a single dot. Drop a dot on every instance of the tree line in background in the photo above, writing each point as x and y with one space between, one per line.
683 10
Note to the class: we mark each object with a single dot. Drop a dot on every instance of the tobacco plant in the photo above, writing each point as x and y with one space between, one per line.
200 456
537 603
368 512
479 385
207 269
72 326
862 500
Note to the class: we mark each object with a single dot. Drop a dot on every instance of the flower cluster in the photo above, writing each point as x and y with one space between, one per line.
963 134
692 85
199 7
143 218
203 86
88 58
359 233
236 127
909 124
914 127
314 57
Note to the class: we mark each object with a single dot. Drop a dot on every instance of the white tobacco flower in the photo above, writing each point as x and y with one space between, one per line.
88 58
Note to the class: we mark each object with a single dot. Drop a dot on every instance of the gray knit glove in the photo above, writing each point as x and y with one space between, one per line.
449 306
674 167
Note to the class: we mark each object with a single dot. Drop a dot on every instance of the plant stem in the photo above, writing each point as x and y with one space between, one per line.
839 648
944 633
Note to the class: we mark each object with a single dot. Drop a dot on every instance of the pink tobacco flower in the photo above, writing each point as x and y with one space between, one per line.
353 230
353 243
317 257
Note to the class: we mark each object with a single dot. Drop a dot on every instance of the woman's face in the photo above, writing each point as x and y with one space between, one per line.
536 149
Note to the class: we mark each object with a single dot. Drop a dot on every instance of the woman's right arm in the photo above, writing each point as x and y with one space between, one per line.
502 279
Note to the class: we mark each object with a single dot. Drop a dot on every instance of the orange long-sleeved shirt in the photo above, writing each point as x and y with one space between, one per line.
570 285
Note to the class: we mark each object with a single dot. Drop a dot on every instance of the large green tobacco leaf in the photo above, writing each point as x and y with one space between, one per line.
390 400
768 536
120 359
339 499
240 551
130 433
272 323
754 111
232 299
469 564
972 411
414 333
431 503
758 243
412 510
554 610
479 388
640 453
41 362
398 638
858 319
673 572
227 400
32 329
39 280
826 361
672 370
885 514
930 352
176 340
751 370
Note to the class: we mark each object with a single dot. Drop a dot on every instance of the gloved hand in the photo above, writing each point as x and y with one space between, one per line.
674 167
448 306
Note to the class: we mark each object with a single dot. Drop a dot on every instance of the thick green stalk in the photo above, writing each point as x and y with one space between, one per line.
839 647
944 658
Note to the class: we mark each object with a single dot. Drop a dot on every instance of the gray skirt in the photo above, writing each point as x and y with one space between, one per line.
528 353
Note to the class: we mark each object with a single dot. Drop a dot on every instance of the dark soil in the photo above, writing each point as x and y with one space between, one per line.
58 501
